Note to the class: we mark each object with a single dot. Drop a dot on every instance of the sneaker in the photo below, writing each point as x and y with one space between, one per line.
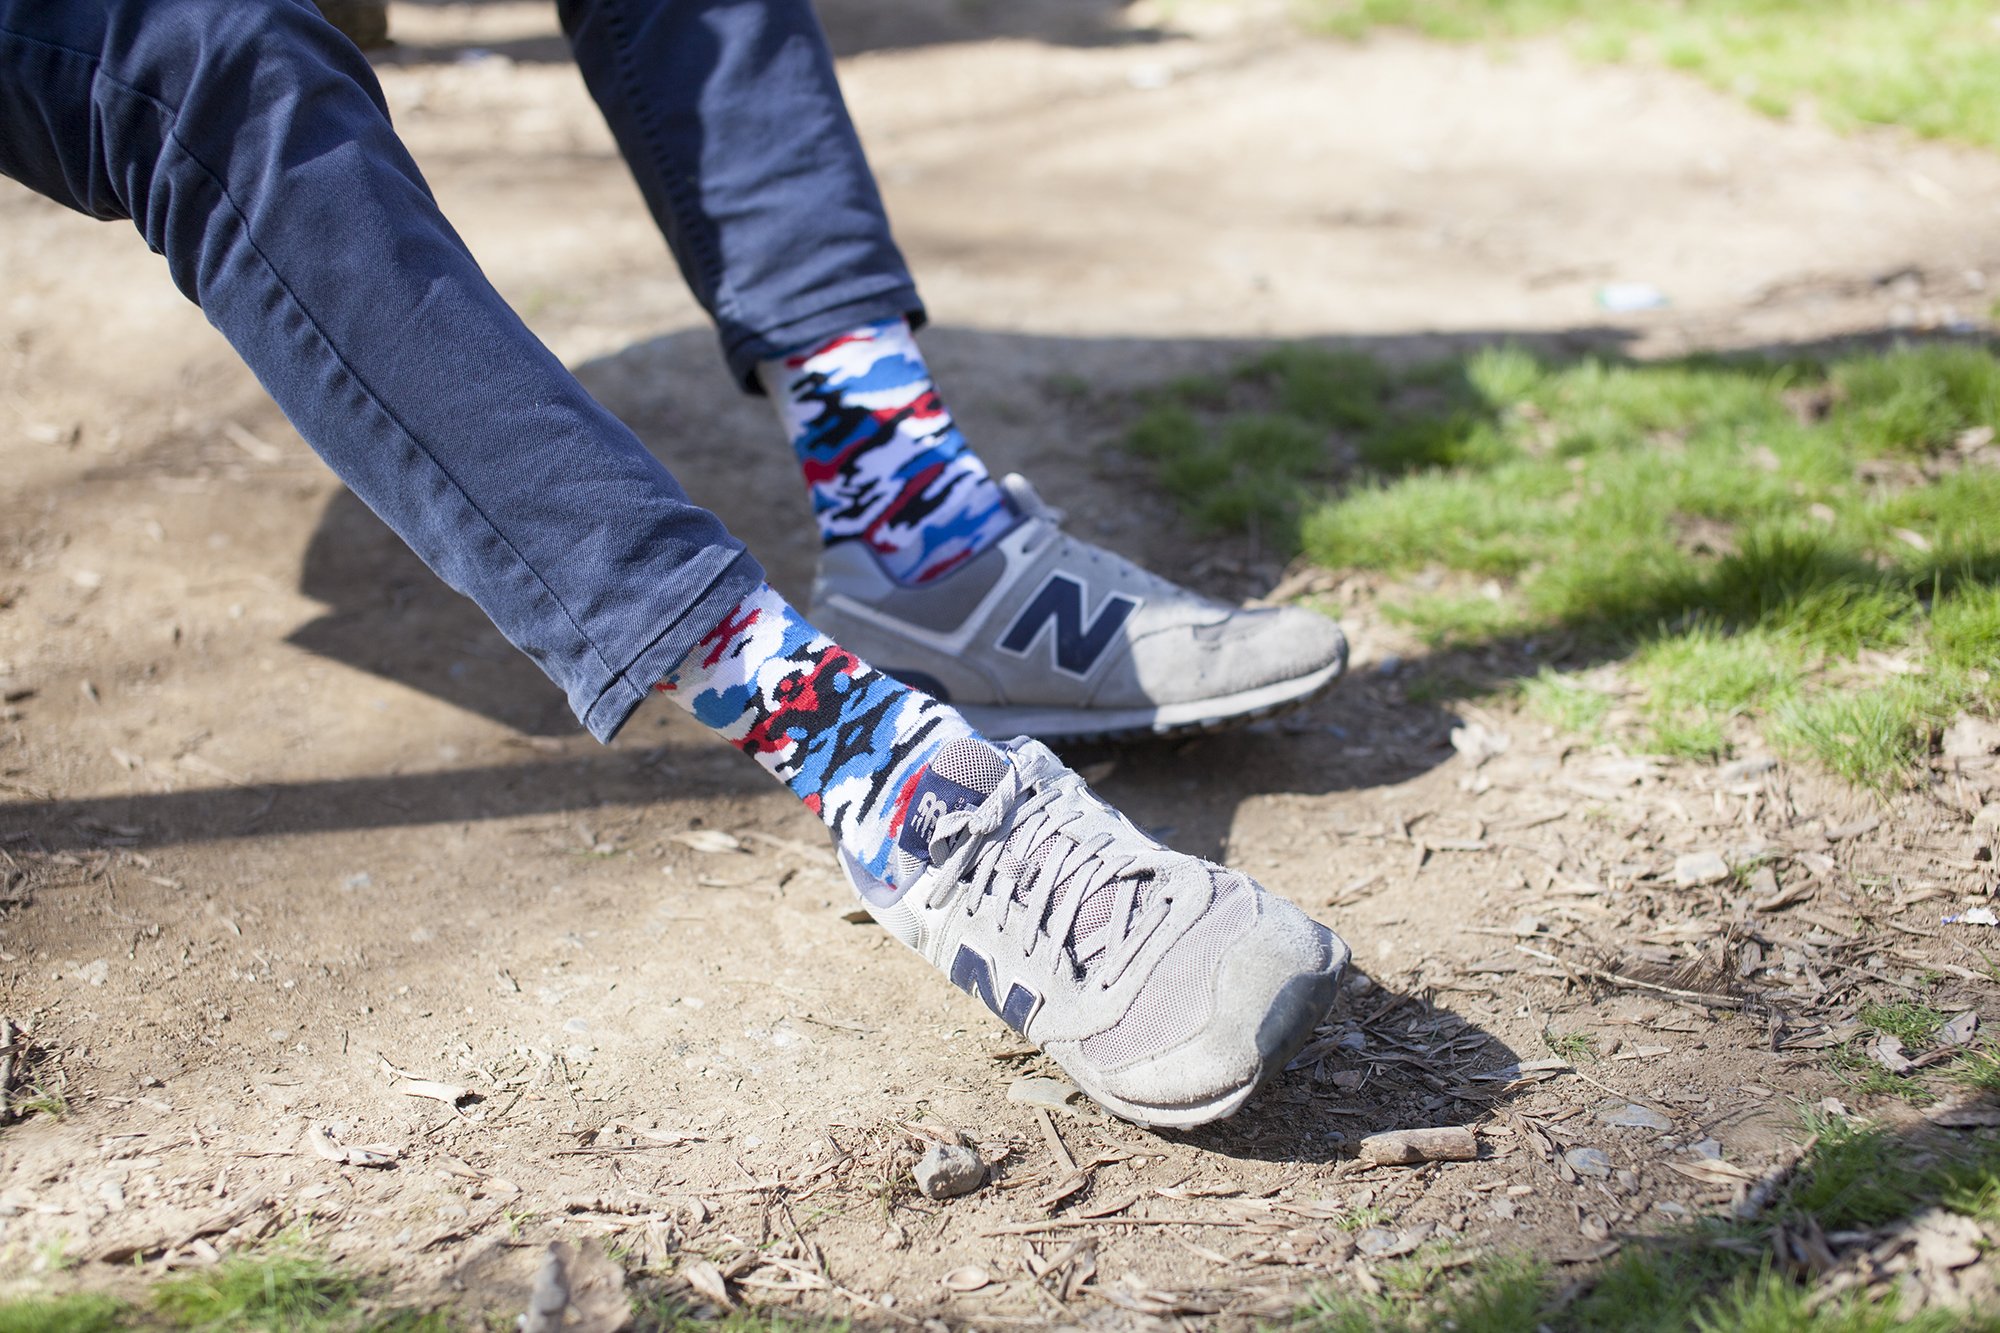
1166 988
1044 635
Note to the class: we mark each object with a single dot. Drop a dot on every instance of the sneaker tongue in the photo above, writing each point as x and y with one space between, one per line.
960 777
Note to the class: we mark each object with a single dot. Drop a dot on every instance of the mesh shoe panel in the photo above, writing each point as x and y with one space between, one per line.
1177 999
972 763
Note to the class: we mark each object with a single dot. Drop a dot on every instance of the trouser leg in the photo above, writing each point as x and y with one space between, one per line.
731 118
250 144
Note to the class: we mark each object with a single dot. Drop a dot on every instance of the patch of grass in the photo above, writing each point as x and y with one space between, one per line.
1565 702
1915 1024
1576 1047
1767 569
277 1289
1706 1275
668 1313
1504 1296
81 1312
1978 1068
1930 66
1864 1076
1360 1219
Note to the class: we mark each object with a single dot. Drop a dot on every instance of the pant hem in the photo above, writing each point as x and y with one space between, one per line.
745 349
626 690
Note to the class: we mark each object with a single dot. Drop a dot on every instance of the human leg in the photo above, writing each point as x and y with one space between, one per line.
249 144
731 119
253 152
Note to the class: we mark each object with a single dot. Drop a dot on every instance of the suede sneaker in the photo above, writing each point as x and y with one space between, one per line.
1166 987
1044 635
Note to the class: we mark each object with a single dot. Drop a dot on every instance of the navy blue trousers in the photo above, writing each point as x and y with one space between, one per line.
250 144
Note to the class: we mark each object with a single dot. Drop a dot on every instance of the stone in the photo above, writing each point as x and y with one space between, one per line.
948 1170
1592 1162
1382 1243
1634 1116
1744 769
1970 738
1698 868
1053 1093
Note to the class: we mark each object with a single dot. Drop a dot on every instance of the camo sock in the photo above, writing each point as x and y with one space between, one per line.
882 459
849 741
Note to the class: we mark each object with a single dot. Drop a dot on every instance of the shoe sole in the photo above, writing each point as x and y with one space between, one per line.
1289 1024
1113 724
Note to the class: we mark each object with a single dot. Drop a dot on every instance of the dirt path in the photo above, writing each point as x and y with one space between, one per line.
286 825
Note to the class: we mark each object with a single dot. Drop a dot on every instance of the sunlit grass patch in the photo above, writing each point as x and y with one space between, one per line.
283 1288
1566 702
1930 66
1708 1275
80 1312
1791 549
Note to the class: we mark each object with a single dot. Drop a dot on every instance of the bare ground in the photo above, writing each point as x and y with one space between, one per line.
285 826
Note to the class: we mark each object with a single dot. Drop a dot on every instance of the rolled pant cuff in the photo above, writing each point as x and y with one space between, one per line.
745 349
623 694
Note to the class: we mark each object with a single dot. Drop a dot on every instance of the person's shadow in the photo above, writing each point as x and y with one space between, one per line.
390 616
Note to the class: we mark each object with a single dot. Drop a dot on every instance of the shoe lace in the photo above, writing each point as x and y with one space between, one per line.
1059 868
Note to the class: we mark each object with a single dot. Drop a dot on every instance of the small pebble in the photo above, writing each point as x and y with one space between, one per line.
1381 1243
1710 1149
1053 1093
1593 1162
948 1170
1698 868
1635 1116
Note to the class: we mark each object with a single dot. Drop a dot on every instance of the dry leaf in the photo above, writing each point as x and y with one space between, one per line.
1711 1171
969 1278
706 1278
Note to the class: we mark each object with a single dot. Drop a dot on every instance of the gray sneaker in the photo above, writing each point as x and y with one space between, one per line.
1044 635
1166 987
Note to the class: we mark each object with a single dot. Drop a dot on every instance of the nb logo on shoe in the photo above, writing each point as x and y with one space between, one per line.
1078 645
936 797
973 974
925 817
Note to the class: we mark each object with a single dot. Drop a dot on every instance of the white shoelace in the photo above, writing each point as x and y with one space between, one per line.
1071 869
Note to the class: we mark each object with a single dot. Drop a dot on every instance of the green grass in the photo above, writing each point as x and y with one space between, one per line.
281 1287
1565 702
278 1290
1751 562
1914 1024
1929 66
83 1312
1707 1276
1575 1047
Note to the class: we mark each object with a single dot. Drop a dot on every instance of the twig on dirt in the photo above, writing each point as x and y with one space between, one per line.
1072 1223
1055 1142
1622 1096
1404 1147
6 1066
1620 979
